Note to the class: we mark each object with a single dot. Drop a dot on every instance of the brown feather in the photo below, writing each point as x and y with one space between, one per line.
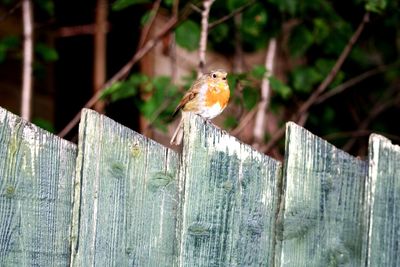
190 95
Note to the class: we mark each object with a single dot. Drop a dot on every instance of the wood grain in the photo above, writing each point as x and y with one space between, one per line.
383 204
323 203
36 183
126 197
229 200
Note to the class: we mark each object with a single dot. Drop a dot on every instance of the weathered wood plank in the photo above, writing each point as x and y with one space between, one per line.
36 183
382 243
126 203
229 200
323 207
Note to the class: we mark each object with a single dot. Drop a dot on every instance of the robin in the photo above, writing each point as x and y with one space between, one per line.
208 97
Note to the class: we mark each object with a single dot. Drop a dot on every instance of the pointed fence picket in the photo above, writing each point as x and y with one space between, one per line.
120 199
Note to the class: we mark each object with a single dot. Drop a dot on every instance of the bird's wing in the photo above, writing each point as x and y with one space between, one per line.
191 94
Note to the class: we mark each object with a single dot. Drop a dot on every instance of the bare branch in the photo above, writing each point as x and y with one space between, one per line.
147 27
238 60
168 26
27 16
203 35
122 72
353 81
393 98
301 115
259 127
11 11
100 48
332 74
359 133
244 122
230 15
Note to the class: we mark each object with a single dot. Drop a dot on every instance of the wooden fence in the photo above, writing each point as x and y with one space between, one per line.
120 199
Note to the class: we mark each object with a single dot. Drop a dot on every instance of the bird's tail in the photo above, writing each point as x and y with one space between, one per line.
178 134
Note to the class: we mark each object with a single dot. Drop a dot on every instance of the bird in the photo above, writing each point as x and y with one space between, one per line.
207 97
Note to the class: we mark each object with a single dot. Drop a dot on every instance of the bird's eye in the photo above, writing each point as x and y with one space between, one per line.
224 78
214 75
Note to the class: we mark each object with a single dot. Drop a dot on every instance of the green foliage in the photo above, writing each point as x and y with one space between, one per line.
235 4
152 96
300 41
280 88
254 20
188 35
6 44
122 4
251 97
286 6
376 5
46 5
258 71
230 122
146 17
45 52
125 89
44 124
305 78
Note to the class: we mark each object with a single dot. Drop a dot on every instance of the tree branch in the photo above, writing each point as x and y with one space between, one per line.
259 127
203 35
302 113
100 50
353 81
122 72
11 11
230 15
147 27
393 99
244 122
26 100
332 74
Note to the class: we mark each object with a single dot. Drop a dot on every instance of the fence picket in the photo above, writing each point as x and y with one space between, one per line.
125 210
323 203
36 183
381 247
229 200
120 199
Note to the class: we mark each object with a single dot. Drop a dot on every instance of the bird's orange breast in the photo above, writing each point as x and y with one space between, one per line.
217 94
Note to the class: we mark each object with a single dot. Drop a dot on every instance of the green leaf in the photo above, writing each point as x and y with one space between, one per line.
146 17
232 82
122 4
251 97
300 41
258 71
253 21
219 33
305 78
280 88
48 54
376 6
44 124
289 6
120 90
230 122
234 4
321 30
6 44
188 35
11 41
328 114
46 5
168 2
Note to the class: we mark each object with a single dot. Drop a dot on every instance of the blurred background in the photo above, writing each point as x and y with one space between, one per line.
330 66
